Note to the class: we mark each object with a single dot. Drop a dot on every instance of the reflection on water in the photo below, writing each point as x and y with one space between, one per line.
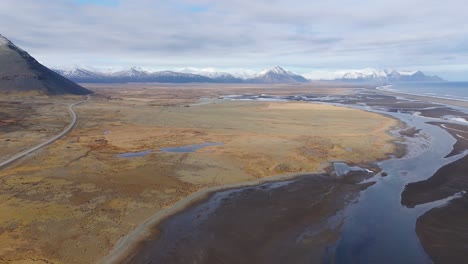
191 148
378 229
182 149
134 154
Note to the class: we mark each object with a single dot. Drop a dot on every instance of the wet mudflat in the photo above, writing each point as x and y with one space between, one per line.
294 221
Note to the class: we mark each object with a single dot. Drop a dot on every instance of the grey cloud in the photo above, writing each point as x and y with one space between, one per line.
241 33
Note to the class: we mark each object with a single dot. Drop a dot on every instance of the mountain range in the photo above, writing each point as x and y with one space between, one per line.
136 74
21 73
269 76
372 75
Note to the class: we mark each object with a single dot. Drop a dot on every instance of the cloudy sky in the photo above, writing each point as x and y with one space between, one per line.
301 35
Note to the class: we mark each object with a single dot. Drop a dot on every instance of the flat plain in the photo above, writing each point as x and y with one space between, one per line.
72 201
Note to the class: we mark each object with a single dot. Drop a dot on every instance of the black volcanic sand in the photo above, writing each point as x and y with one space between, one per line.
293 222
438 112
459 132
443 232
394 104
447 181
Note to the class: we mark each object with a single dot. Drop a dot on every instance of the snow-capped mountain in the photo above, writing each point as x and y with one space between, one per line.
417 76
365 75
222 77
134 72
371 75
186 75
81 75
210 75
277 75
176 77
243 74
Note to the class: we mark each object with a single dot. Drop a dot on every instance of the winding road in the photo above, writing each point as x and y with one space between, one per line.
49 141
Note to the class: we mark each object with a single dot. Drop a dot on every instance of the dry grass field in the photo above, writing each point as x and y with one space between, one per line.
72 201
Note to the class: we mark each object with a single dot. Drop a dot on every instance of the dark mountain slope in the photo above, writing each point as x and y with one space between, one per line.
21 73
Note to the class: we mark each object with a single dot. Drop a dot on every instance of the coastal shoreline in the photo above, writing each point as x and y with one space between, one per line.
427 98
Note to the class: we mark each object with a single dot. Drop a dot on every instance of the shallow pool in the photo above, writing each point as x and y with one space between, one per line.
191 148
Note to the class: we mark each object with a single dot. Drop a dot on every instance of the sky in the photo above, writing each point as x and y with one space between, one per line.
300 35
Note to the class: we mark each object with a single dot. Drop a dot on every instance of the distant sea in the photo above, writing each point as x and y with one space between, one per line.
447 90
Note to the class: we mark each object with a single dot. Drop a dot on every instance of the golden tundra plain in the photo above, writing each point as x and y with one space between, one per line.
73 200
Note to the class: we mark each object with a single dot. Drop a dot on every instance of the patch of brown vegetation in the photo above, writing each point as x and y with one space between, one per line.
24 123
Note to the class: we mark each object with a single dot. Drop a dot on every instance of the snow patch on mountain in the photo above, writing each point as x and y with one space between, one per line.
132 72
207 72
243 73
370 74
277 75
345 74
407 73
214 73
274 70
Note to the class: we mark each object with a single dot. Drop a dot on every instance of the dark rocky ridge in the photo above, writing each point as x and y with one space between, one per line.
21 73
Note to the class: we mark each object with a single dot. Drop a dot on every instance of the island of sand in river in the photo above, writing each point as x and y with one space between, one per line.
72 201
